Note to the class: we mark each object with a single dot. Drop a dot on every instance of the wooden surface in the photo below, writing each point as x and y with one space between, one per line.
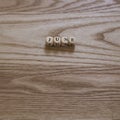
43 84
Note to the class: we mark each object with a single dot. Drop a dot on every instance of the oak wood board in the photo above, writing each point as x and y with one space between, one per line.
39 83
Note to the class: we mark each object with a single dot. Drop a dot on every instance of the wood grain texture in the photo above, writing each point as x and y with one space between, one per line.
44 84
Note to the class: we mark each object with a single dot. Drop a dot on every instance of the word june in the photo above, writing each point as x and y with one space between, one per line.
60 42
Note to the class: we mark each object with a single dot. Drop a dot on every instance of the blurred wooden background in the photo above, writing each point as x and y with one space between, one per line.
41 84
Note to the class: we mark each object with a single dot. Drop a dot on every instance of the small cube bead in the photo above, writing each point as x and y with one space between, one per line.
57 41
64 41
71 41
49 41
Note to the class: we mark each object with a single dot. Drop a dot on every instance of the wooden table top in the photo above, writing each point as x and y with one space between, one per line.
37 83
